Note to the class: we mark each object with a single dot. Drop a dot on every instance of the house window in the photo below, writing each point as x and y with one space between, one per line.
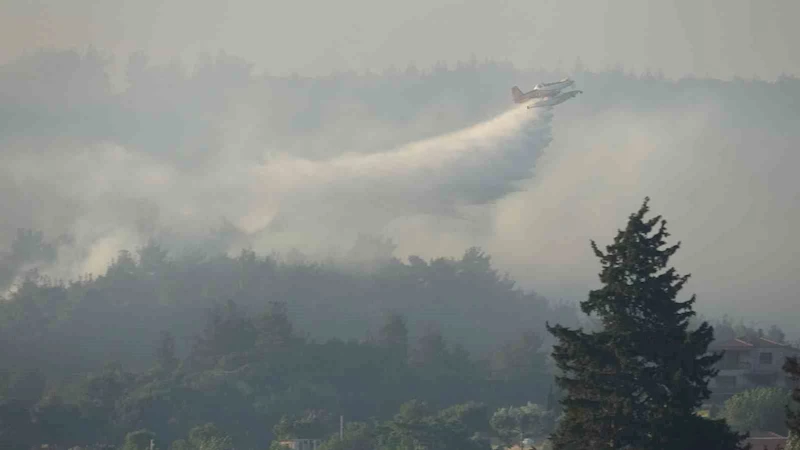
726 381
765 358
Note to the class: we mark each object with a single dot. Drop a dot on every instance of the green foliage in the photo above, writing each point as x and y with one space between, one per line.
312 424
519 358
700 432
138 440
29 246
414 410
228 333
356 436
26 386
394 336
793 443
775 334
759 409
204 437
16 429
513 424
180 444
473 415
639 379
61 422
166 357
415 427
726 329
72 327
792 368
209 437
274 329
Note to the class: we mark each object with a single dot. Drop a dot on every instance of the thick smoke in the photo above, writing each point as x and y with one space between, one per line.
110 198
434 177
225 159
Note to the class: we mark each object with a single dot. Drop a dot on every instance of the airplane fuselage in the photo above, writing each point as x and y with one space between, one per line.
555 86
541 90
524 97
555 100
545 94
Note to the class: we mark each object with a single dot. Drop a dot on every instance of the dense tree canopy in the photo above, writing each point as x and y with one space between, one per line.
247 364
514 424
759 409
75 326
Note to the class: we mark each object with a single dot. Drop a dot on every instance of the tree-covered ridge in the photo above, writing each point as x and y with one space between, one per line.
175 113
75 326
166 344
248 374
79 325
171 342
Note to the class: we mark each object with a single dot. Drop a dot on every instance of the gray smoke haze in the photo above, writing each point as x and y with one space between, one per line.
716 38
434 160
729 194
107 195
119 199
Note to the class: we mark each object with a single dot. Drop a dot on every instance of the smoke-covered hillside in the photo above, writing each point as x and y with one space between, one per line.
221 158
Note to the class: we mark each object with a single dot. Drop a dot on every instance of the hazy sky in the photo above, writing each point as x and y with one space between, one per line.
718 38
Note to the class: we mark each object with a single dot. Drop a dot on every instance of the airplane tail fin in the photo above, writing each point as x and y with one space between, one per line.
516 93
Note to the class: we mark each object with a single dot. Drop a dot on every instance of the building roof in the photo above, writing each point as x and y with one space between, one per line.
765 434
745 344
760 440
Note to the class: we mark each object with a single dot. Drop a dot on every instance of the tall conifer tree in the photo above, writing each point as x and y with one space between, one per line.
638 381
792 369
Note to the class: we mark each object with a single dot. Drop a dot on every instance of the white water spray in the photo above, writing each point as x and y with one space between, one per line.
123 198
436 176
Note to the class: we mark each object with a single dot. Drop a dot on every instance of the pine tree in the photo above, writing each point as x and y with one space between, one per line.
792 369
638 381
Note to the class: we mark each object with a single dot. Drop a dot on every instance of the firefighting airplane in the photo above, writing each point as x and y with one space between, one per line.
550 93
555 100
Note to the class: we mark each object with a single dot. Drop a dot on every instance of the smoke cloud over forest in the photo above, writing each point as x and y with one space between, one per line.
437 160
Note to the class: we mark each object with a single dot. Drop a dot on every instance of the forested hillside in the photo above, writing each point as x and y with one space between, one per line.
81 324
85 161
104 352
127 305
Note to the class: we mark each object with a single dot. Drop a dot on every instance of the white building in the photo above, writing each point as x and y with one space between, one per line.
749 363
302 444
